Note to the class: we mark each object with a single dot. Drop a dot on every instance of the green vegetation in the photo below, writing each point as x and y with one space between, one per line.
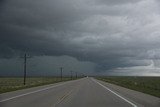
15 83
149 85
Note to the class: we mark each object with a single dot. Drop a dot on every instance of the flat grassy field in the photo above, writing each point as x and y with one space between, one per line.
15 83
149 85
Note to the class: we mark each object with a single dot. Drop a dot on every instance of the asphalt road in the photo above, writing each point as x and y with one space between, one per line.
86 92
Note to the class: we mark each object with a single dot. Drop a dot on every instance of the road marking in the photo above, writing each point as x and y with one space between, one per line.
7 99
63 97
115 93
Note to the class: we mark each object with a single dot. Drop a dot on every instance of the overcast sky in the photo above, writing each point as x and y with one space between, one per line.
100 37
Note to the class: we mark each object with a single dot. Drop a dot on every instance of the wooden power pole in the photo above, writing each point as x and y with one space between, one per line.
76 75
61 68
25 68
71 75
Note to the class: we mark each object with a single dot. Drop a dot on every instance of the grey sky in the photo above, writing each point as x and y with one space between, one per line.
104 35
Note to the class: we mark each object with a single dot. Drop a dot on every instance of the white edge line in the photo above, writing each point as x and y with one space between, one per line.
115 94
7 99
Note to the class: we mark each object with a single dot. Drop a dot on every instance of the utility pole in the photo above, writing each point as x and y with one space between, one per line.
76 75
71 75
25 68
61 68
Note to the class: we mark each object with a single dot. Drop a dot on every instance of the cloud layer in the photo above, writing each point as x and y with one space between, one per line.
108 33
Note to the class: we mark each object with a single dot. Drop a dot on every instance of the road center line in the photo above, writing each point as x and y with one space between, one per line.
21 95
115 93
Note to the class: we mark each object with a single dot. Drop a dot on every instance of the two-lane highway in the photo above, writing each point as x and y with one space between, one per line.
86 92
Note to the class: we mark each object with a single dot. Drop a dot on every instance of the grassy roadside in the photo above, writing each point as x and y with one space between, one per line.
149 85
8 84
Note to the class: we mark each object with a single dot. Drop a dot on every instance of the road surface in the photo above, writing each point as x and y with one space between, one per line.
85 92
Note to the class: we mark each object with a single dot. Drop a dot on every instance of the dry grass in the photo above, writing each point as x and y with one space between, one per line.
149 85
15 83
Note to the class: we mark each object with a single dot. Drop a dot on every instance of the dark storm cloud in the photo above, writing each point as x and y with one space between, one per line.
110 33
117 2
45 65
